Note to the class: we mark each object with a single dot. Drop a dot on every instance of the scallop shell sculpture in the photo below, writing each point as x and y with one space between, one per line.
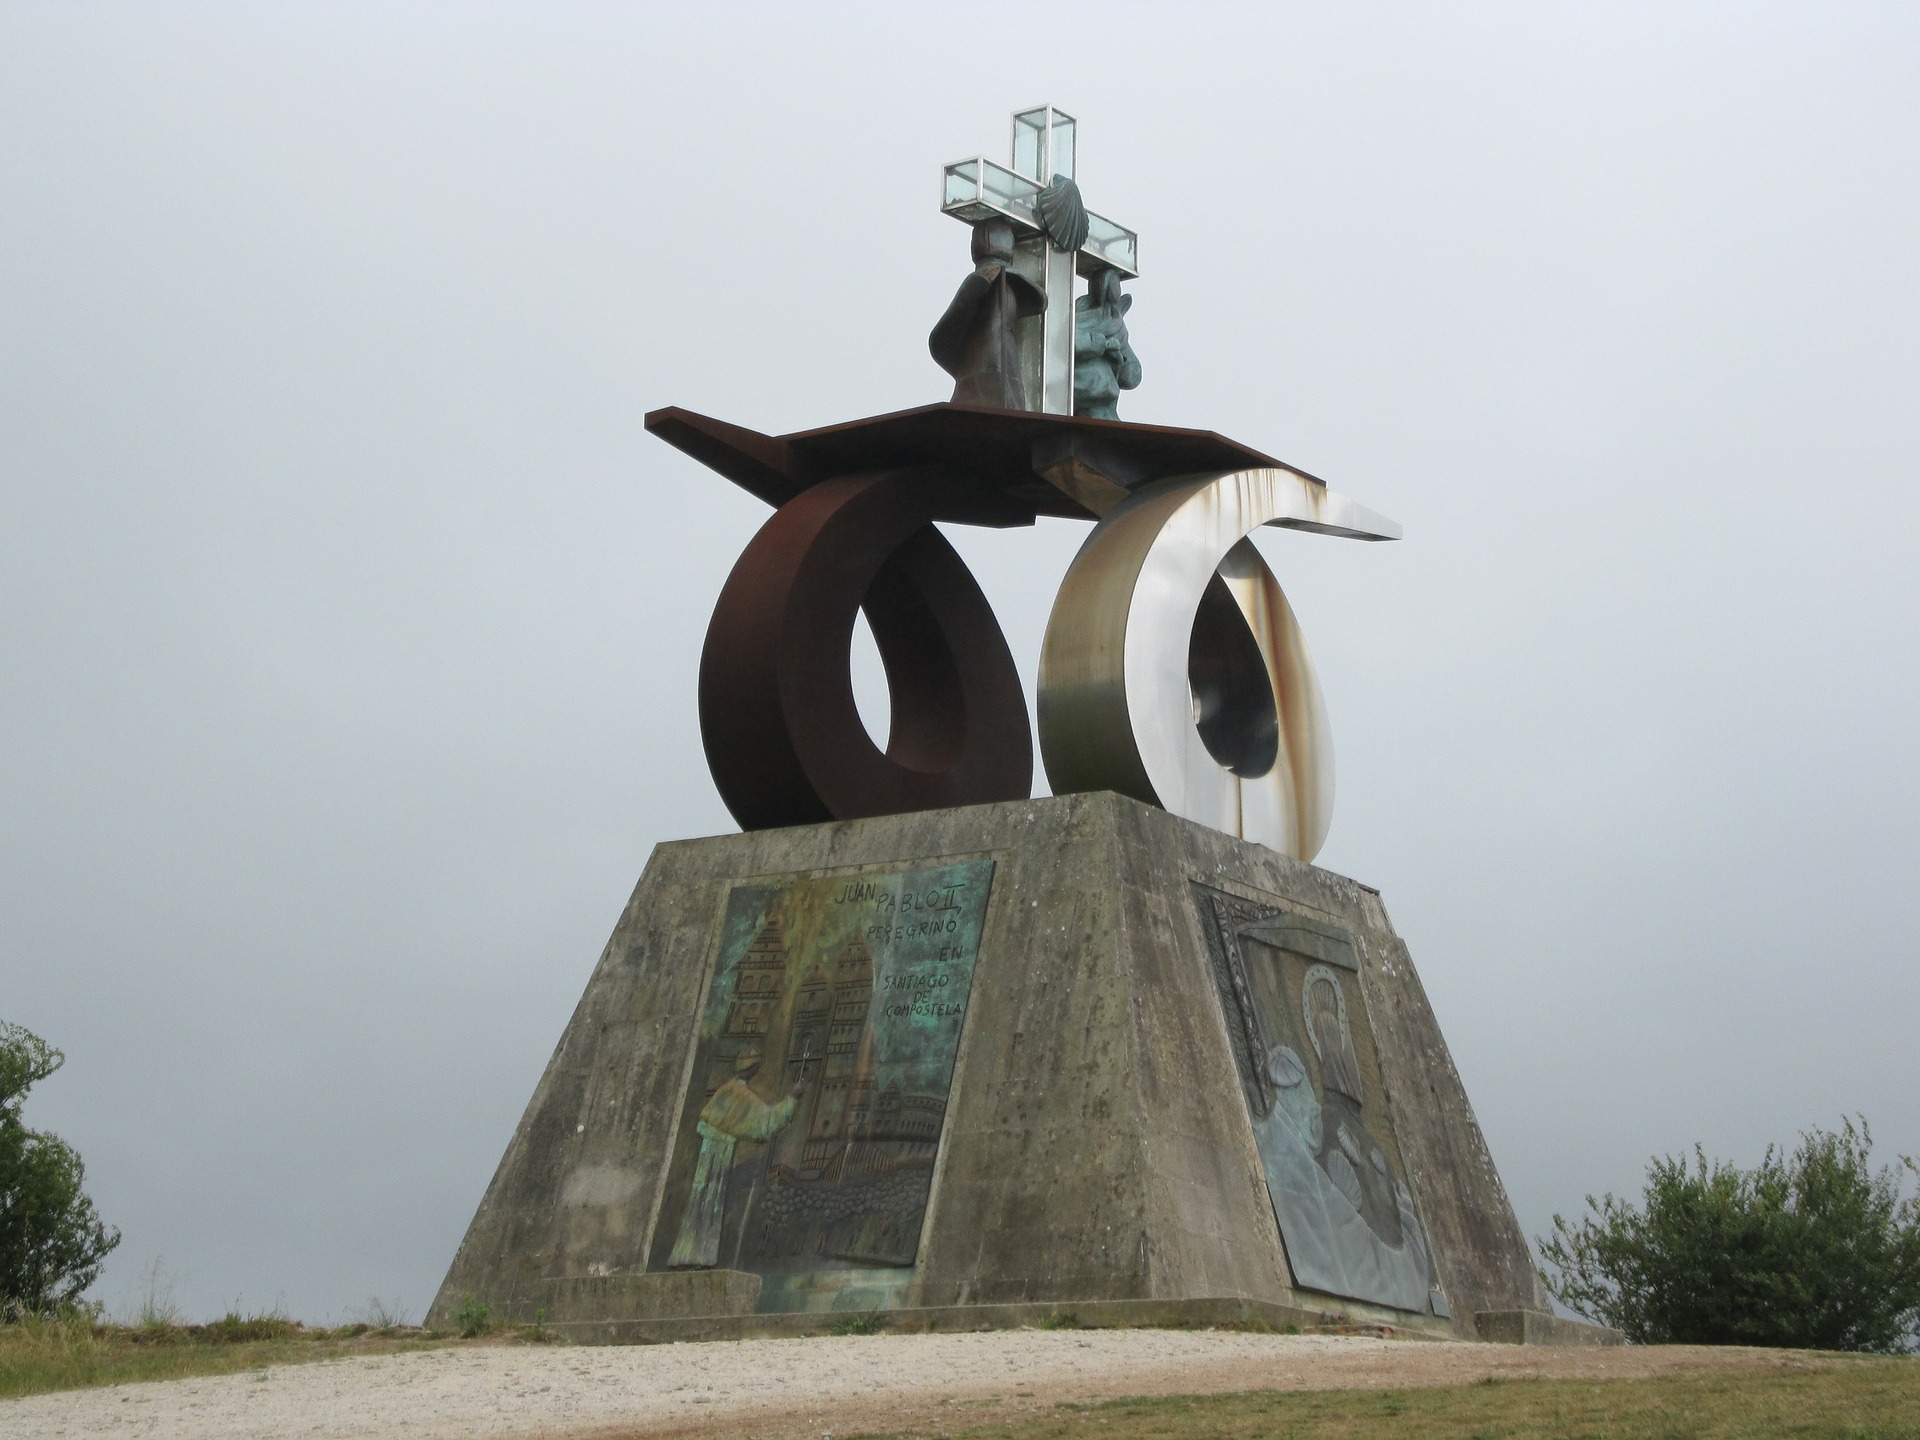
1063 216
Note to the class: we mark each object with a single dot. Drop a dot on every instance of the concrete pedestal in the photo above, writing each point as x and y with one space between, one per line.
981 1066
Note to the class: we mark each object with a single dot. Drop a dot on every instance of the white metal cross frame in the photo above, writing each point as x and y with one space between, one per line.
978 189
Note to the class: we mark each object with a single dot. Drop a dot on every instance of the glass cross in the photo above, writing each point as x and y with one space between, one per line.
978 189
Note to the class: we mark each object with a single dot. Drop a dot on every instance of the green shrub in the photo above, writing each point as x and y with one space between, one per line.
1813 1249
471 1317
51 1241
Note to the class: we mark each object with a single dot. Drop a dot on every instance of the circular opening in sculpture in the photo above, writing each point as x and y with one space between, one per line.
1233 704
926 696
868 673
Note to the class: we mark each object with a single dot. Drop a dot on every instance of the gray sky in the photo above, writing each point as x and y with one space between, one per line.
349 619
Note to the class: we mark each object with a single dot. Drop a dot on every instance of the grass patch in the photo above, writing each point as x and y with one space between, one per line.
872 1323
383 1317
78 1350
1845 1400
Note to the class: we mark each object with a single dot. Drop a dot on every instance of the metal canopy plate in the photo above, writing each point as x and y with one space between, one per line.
995 449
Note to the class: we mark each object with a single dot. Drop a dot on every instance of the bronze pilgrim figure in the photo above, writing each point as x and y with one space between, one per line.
977 340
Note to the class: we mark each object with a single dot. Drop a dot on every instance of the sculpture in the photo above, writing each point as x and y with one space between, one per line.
777 712
1173 669
1203 699
1062 214
1103 360
1056 241
977 340
787 1092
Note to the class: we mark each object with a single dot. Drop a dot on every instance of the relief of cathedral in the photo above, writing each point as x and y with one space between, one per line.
847 1179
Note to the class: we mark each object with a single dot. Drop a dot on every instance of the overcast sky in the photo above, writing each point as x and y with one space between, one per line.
349 619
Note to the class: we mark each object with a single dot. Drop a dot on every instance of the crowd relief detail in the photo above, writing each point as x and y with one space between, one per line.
825 1054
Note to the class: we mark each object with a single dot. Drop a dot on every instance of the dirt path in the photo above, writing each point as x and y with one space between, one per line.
787 1389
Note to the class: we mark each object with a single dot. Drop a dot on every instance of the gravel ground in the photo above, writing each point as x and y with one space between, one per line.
786 1389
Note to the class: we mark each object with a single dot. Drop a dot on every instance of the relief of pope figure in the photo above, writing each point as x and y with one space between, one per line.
735 1113
1349 1223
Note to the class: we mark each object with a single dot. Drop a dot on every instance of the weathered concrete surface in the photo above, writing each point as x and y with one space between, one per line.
667 1295
1096 1146
1531 1327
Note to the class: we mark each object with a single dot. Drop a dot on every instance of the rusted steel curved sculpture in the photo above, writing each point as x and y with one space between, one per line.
783 738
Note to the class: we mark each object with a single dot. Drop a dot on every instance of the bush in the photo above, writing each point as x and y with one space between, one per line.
471 1318
1813 1250
51 1241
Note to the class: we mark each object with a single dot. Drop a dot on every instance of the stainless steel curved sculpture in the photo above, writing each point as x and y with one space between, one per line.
1173 669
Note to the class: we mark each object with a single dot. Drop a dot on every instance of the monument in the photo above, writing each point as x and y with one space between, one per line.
918 1046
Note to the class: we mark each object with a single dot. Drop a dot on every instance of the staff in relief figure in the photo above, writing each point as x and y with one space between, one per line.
735 1113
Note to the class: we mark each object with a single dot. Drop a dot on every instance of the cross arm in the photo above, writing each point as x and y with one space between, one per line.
977 189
